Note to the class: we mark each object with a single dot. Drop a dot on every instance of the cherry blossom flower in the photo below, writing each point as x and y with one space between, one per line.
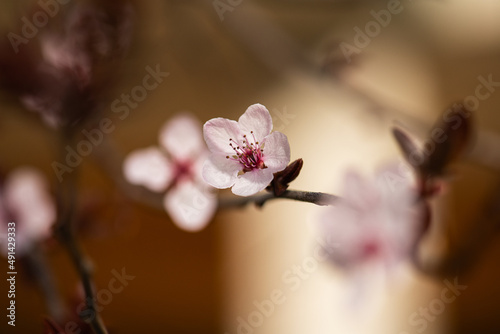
63 73
176 169
25 200
373 223
244 154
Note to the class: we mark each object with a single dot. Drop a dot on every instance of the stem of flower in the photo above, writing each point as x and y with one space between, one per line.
108 155
84 268
317 198
38 264
66 232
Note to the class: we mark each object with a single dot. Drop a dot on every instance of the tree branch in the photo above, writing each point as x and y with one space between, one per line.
45 279
317 198
65 230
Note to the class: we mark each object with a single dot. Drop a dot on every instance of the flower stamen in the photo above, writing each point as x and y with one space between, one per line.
250 154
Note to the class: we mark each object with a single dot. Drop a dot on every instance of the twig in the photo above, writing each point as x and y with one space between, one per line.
38 264
65 230
84 268
108 155
296 195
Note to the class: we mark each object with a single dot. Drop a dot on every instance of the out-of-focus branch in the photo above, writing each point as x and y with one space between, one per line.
65 229
38 265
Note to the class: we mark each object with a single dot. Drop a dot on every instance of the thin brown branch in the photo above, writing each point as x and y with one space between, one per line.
110 159
65 230
45 279
296 195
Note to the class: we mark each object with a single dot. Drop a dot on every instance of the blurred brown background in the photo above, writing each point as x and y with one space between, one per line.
284 54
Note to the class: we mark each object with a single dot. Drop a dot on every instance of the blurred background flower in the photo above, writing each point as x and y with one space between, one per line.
373 222
26 200
60 67
175 168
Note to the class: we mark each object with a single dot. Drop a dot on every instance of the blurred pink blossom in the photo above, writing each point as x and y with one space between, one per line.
244 154
63 73
175 167
375 222
26 201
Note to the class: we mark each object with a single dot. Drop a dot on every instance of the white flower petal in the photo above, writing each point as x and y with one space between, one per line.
276 151
197 166
252 182
392 179
257 119
26 196
182 136
218 132
341 232
149 168
190 207
359 191
220 172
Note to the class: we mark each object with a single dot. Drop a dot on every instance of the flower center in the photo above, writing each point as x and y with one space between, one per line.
371 248
183 170
250 154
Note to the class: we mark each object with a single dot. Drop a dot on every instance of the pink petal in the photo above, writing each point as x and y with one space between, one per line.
59 53
252 182
149 168
276 152
220 172
359 191
182 137
190 207
342 236
218 132
26 196
372 223
353 185
393 179
257 119
197 166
